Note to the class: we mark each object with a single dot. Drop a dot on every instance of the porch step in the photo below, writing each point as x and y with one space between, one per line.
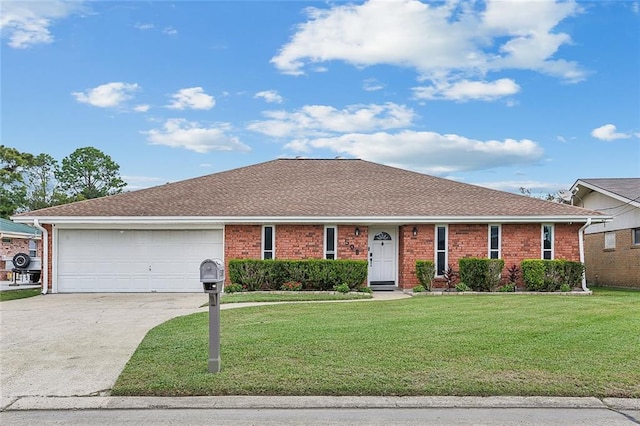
383 287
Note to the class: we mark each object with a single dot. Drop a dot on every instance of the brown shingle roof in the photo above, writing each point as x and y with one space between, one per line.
628 188
315 188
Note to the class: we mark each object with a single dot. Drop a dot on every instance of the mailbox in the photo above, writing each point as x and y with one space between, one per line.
211 275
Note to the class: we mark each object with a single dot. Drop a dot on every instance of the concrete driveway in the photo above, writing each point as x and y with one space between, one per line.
77 344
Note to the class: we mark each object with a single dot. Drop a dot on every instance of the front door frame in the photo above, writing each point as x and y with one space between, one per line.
394 232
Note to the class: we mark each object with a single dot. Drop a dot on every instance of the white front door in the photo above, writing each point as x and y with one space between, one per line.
382 256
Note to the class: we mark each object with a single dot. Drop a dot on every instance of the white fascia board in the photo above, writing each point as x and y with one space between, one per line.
607 193
219 222
120 221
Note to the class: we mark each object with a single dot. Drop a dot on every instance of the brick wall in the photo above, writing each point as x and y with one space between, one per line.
347 237
410 248
298 242
241 242
519 242
619 267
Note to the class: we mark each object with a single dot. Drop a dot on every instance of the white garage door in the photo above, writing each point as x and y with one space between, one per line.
109 260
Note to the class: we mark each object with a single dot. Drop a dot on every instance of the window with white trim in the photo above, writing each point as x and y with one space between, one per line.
635 234
268 242
441 249
33 248
495 241
547 242
330 242
609 240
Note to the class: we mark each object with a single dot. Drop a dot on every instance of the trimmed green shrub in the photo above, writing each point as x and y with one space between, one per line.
342 288
314 274
481 274
533 273
233 288
419 289
550 275
426 272
463 287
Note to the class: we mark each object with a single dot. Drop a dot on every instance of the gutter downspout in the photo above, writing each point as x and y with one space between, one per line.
45 256
581 249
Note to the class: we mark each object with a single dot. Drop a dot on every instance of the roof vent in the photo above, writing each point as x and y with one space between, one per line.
339 157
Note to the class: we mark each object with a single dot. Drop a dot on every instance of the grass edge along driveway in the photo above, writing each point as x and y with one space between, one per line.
501 345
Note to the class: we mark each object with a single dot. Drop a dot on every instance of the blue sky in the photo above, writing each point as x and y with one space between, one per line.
501 94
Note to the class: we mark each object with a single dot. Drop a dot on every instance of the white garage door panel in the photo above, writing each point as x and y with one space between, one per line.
134 260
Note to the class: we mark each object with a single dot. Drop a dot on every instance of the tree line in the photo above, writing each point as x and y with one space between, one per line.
31 182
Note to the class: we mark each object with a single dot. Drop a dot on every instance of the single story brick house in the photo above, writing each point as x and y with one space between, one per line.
17 238
153 240
612 249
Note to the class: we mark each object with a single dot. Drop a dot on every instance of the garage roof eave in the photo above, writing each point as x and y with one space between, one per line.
121 220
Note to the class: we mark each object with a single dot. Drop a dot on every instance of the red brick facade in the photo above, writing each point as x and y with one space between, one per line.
616 267
518 242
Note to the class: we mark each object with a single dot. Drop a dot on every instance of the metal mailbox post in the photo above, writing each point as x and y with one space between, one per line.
212 277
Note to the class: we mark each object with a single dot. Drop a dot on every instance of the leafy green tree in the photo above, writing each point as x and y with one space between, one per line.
13 191
89 173
42 187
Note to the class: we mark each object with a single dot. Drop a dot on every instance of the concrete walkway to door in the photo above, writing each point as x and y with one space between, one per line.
77 344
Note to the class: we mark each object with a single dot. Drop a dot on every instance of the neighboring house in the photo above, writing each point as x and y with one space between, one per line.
612 249
17 238
154 239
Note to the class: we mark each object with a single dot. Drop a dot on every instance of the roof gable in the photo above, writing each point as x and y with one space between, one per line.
623 189
302 188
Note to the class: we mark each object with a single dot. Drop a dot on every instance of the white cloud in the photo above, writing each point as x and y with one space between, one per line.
270 96
170 31
445 42
323 120
27 23
192 98
109 95
429 152
608 133
372 85
465 90
180 133
141 108
144 27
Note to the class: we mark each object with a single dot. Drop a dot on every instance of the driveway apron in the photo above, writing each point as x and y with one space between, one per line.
77 344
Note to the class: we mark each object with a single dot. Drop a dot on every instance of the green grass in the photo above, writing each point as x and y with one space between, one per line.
293 296
499 345
18 294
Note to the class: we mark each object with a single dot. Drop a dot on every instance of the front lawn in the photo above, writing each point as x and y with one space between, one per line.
500 345
18 294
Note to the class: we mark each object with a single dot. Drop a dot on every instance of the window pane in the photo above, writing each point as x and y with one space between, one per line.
331 232
441 266
268 239
636 236
547 255
268 255
548 237
494 254
441 237
494 238
330 256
